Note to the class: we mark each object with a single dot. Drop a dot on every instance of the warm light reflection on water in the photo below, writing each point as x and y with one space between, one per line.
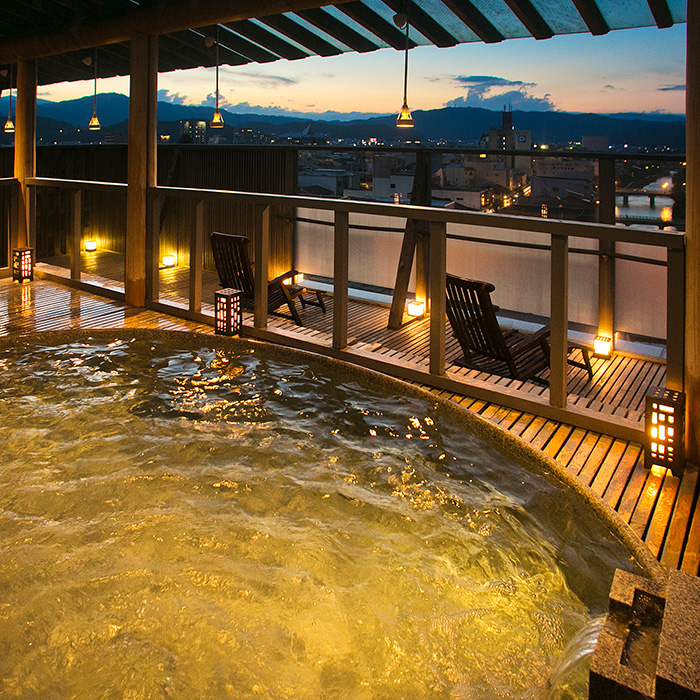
192 524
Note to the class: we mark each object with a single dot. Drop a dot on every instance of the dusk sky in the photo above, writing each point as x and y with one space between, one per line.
634 70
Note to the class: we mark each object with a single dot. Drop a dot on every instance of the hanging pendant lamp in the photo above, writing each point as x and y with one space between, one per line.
9 124
94 123
217 121
404 120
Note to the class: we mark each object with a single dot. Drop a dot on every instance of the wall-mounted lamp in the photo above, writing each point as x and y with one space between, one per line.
9 124
664 421
415 308
228 315
404 120
90 246
169 260
602 346
22 265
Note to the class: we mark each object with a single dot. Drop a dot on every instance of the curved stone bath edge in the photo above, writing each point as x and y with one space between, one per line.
510 445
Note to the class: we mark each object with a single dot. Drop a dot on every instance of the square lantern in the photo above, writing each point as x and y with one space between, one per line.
664 419
228 312
415 309
22 264
602 346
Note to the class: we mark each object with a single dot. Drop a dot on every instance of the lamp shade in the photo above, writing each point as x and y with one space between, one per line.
9 126
404 119
217 121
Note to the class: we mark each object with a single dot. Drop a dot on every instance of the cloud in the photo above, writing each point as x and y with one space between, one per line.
667 88
487 91
260 79
486 82
610 87
166 96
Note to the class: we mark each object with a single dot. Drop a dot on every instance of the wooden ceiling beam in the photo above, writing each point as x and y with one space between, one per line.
662 15
592 16
162 19
532 20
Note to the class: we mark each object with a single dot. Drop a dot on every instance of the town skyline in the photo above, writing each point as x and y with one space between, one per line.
634 70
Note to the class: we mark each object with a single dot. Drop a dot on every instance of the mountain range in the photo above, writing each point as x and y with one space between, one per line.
453 124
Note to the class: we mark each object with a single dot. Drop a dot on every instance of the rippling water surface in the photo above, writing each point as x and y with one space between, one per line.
205 524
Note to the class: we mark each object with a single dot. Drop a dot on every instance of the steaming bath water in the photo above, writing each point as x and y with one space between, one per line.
210 523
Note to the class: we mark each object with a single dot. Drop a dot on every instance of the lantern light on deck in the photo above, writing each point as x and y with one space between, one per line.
228 315
415 308
297 279
664 419
602 346
169 260
22 264
90 246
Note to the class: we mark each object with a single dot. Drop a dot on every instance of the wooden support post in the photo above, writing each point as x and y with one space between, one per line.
262 253
438 281
155 207
421 195
675 318
76 198
197 256
606 261
25 150
141 162
559 318
692 227
340 280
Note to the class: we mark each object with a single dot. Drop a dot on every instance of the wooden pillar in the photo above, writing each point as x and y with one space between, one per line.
25 149
340 280
438 282
606 261
414 238
141 174
559 317
692 221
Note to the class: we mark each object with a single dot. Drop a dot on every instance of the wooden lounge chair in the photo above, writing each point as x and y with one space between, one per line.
486 346
234 268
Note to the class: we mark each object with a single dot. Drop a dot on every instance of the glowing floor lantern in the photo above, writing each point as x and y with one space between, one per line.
22 264
91 246
415 308
664 419
227 310
602 346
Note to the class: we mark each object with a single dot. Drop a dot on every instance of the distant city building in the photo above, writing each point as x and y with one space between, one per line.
193 130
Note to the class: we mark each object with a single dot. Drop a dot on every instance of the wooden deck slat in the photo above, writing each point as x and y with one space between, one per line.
672 551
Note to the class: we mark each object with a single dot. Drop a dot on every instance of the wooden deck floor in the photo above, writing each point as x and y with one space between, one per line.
661 510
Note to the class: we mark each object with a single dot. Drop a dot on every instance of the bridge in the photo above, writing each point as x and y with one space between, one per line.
627 192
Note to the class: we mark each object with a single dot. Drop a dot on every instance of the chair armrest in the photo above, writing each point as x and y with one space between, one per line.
286 275
532 339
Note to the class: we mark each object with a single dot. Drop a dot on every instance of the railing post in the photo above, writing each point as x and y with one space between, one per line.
340 280
675 318
153 248
262 252
438 271
559 318
197 256
606 261
76 219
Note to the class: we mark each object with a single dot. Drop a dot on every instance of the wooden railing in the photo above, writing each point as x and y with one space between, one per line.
559 233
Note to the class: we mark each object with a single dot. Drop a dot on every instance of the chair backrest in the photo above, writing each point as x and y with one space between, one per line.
232 262
473 318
